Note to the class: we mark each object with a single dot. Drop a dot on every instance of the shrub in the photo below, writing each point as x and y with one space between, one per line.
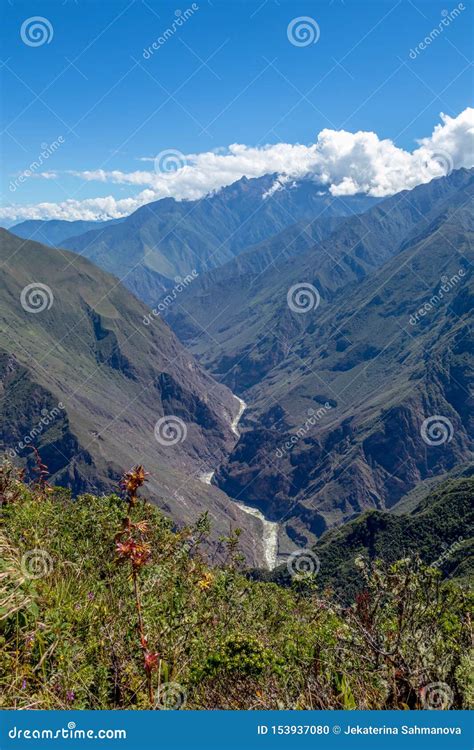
103 604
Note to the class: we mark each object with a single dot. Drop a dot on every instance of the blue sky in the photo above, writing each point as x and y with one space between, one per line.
228 74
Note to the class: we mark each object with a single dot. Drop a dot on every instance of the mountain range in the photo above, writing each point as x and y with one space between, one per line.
168 239
84 382
55 232
337 396
341 323
439 530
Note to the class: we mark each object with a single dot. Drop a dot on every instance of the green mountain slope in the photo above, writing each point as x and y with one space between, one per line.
239 325
85 383
440 530
55 232
345 422
168 238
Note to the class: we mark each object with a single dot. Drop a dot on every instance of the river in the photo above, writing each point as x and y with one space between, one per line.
269 528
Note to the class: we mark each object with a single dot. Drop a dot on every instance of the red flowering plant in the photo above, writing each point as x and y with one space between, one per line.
132 546
42 473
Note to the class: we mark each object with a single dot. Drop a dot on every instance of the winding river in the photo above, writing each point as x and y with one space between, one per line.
269 528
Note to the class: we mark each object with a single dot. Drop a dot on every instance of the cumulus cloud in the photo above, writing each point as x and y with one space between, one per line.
342 162
90 209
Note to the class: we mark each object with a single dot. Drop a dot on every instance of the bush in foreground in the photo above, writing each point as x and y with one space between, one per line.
104 605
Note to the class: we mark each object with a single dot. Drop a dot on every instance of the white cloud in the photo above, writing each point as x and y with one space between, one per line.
345 163
88 210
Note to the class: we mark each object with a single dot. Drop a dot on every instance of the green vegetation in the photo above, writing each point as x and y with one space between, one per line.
83 383
440 530
361 351
103 604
